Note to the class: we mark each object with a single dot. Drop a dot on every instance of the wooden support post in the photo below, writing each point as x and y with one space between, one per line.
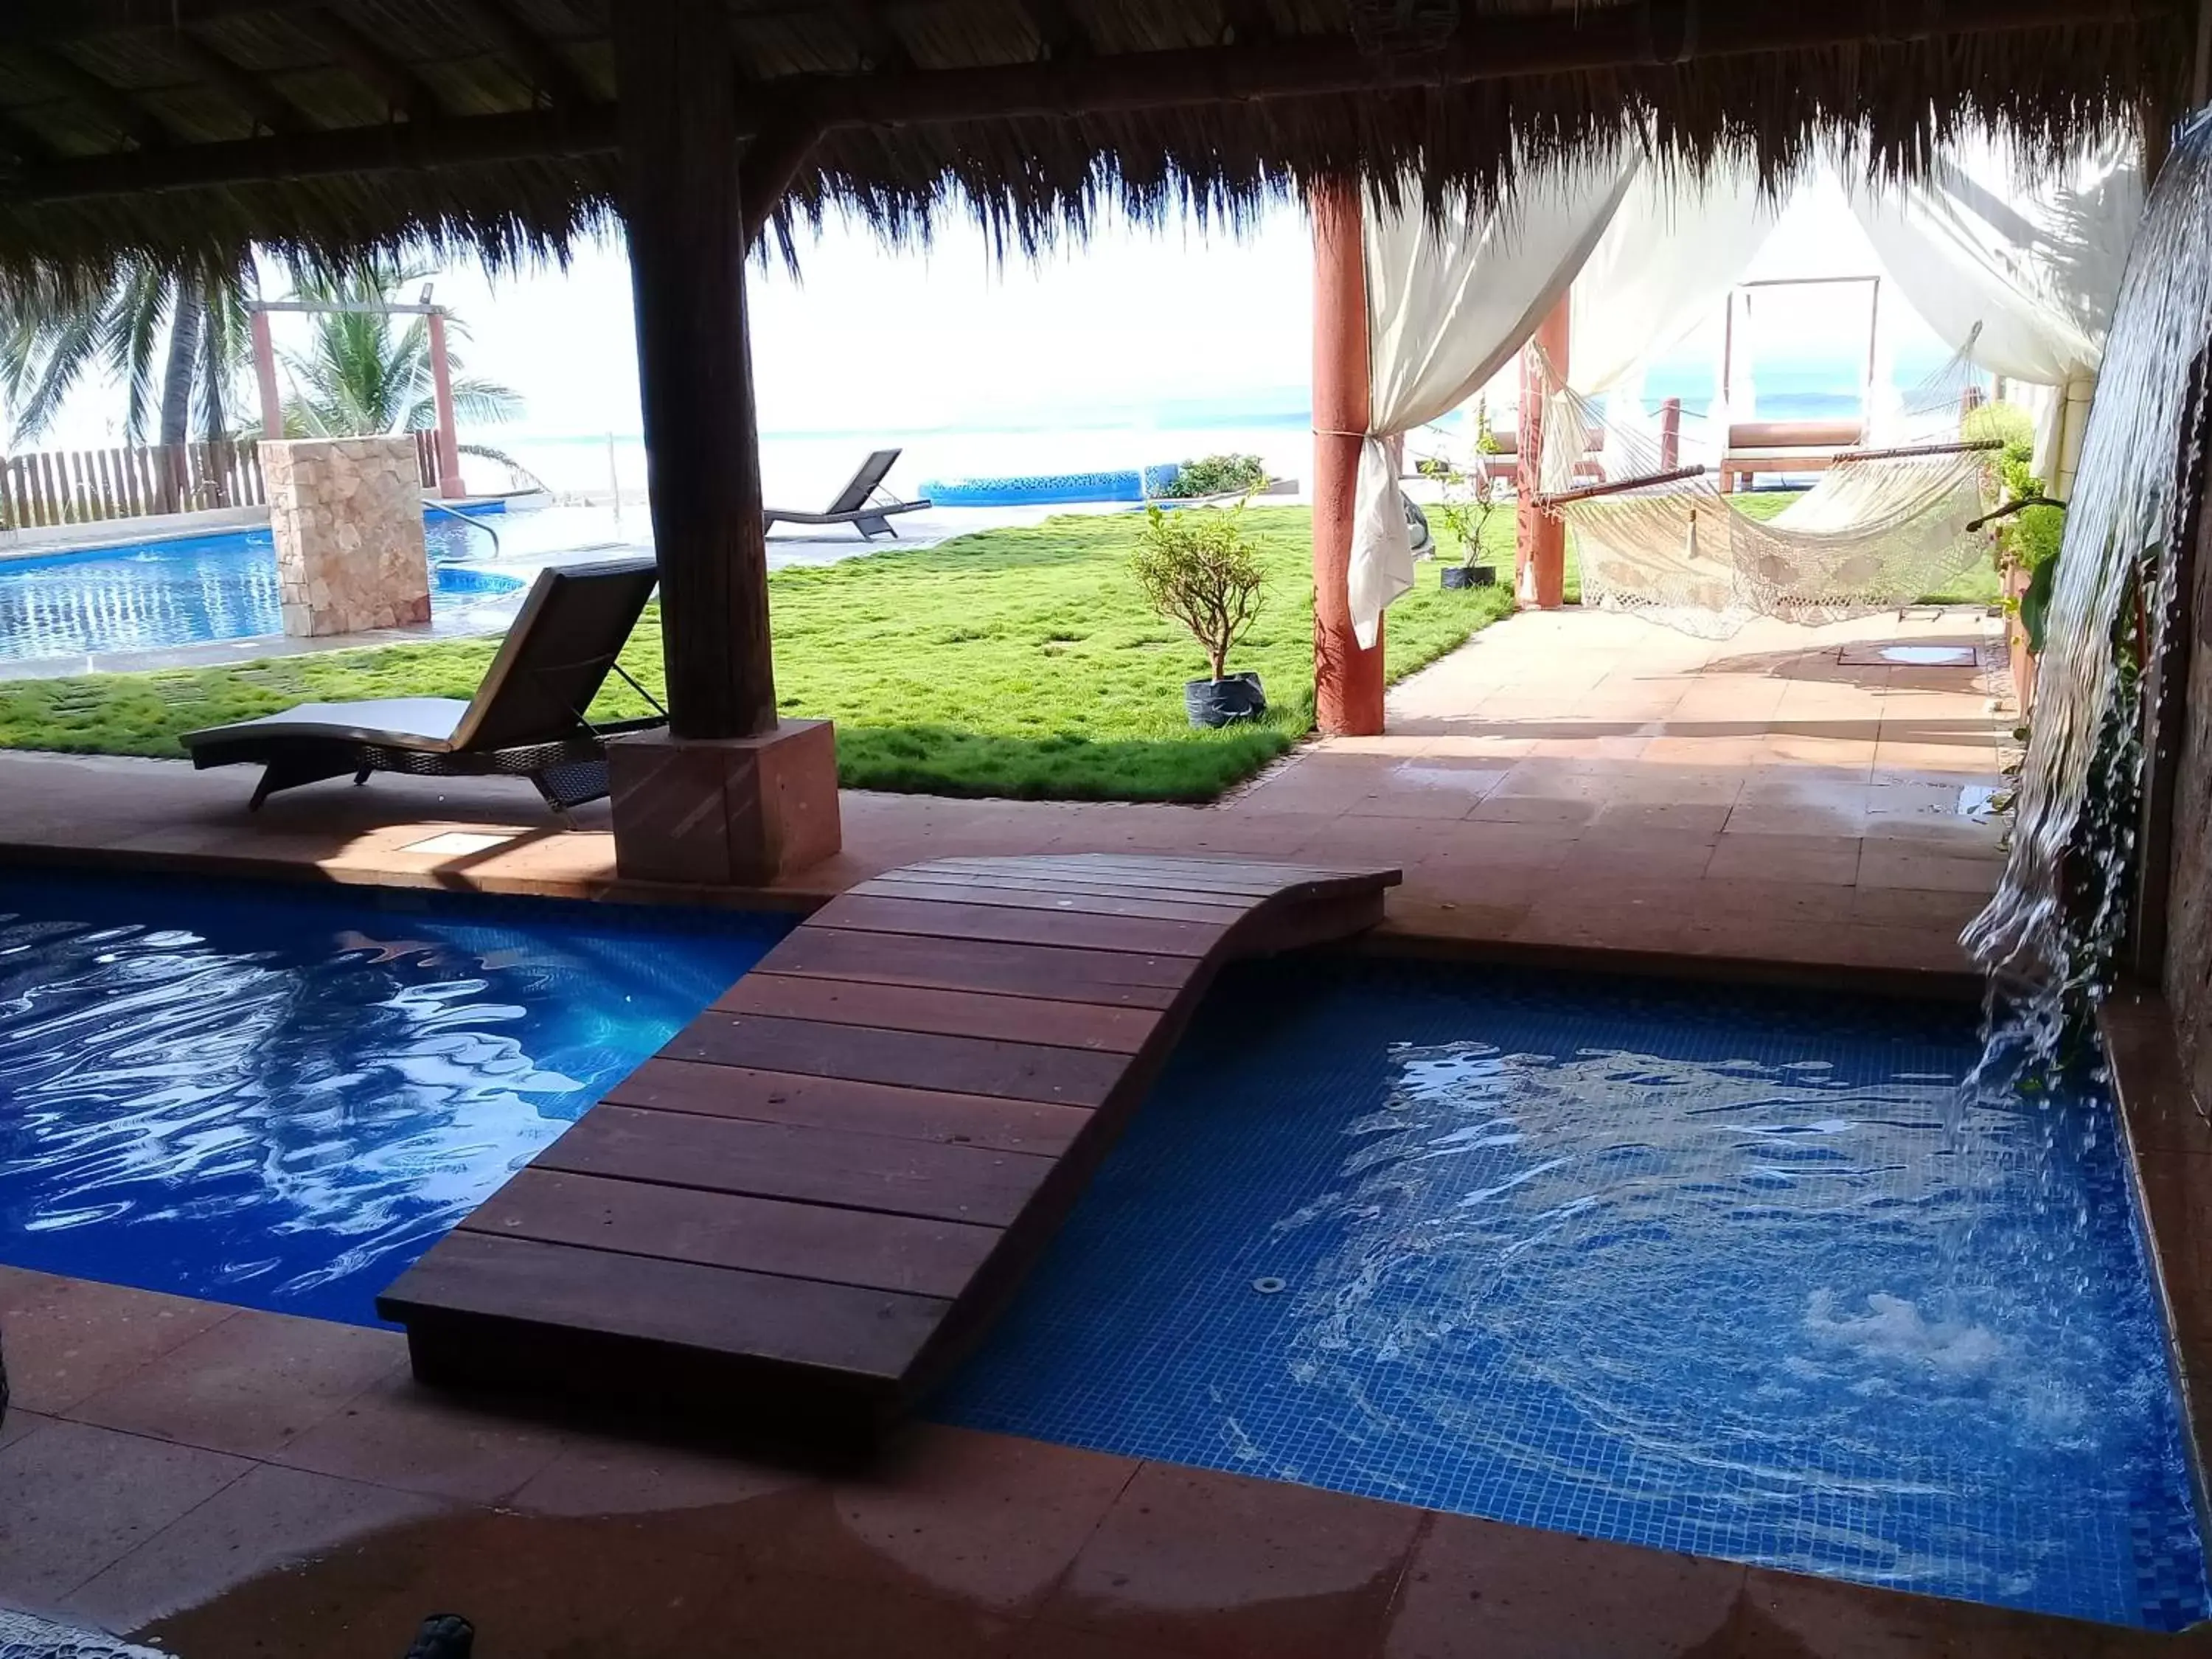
687 253
729 794
449 435
1670 435
264 374
1348 681
1539 539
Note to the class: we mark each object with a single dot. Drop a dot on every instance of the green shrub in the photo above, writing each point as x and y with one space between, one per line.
1200 568
1217 475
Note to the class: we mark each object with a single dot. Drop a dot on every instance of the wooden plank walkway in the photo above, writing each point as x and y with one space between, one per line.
802 1210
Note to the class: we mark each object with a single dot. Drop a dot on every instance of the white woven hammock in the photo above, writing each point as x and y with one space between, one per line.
1882 527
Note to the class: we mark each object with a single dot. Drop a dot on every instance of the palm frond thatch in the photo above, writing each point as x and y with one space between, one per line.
1887 103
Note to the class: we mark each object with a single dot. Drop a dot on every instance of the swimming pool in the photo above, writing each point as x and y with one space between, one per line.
1735 1273
281 1097
158 595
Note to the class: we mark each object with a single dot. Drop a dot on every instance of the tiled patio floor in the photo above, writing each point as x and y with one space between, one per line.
228 1483
1567 779
232 1483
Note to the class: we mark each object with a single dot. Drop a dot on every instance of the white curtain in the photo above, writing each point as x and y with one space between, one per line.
2032 263
1668 262
1450 298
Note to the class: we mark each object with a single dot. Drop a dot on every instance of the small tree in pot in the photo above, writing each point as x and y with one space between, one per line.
1200 569
1469 499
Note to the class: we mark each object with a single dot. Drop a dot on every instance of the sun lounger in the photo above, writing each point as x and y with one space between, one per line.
526 720
856 504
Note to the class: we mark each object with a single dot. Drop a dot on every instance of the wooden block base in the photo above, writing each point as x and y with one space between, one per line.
725 812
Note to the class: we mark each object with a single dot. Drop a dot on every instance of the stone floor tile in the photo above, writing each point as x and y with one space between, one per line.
74 1500
602 1476
1476 1588
991 1519
249 1384
1809 860
1928 868
1223 1564
1820 1618
19 1423
400 1435
267 1519
70 1338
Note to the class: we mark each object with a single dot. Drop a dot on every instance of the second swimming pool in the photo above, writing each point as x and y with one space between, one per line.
1735 1273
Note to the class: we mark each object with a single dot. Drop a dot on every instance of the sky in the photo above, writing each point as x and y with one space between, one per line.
1137 322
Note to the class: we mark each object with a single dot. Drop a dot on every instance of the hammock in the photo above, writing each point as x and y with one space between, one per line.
1882 527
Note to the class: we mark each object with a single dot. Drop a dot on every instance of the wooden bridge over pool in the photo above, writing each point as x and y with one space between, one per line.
811 1203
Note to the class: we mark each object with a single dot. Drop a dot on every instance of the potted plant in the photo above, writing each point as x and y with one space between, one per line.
1469 498
1200 568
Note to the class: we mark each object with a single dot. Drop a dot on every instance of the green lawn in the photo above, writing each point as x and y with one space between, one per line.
1016 662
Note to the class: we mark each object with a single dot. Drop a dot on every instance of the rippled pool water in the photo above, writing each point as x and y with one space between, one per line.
281 1097
188 590
1704 1269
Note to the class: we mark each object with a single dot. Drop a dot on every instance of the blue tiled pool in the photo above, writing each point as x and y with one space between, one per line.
187 591
281 1097
1734 1273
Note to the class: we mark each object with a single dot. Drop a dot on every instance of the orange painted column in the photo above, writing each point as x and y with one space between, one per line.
449 437
1348 681
1539 539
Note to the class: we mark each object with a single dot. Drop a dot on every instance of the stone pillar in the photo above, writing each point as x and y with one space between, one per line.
347 515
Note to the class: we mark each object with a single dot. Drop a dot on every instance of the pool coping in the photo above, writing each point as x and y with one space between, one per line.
800 896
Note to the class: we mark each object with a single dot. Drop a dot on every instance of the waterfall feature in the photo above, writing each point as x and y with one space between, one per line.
2047 937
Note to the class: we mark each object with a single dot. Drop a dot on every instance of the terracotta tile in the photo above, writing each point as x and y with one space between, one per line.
801 1616
1629 816
1941 909
1477 1588
1226 1565
267 1519
19 1423
990 1519
70 1338
1812 860
1822 1619
605 1476
401 1436
1603 856
249 1384
1914 865
73 1499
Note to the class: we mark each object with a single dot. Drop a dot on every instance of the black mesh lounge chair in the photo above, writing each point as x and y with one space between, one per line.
856 504
526 720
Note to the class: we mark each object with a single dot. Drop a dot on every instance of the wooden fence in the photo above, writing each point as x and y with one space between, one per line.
84 486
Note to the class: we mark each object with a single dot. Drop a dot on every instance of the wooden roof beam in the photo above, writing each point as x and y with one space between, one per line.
80 85
403 90
1496 46
72 20
271 109
557 80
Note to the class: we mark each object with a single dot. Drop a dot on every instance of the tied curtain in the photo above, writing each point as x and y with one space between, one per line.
2018 272
1453 294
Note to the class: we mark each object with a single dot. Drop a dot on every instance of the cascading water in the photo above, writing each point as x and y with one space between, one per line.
2048 936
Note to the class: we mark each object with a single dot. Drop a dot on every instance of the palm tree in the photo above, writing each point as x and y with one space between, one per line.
54 329
368 373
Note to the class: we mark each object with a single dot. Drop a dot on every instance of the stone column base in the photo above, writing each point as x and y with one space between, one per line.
725 812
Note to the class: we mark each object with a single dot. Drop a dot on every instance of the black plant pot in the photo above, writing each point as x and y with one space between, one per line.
1220 702
1470 576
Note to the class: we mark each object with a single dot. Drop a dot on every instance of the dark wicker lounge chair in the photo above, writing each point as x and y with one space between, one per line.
855 504
526 720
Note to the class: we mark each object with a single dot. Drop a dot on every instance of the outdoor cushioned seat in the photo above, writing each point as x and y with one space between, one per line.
528 719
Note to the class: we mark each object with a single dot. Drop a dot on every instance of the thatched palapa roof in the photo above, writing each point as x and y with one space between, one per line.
186 129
